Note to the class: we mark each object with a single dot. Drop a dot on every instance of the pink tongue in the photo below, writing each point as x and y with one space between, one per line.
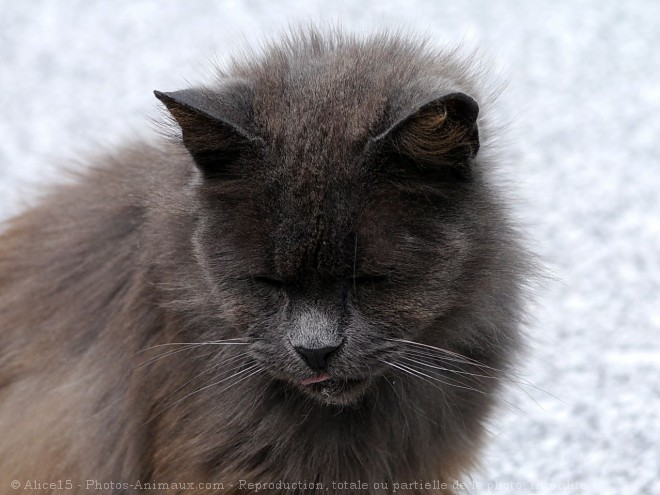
315 379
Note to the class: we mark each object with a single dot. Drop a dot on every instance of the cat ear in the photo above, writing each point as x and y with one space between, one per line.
213 141
439 133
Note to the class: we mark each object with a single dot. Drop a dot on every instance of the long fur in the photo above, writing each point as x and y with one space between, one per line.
104 278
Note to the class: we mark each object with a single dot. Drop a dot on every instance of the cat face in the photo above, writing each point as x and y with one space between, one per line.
322 288
325 247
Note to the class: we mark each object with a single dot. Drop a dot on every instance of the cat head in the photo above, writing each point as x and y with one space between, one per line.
342 211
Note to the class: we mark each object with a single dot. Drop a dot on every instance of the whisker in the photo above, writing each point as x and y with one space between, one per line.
448 361
450 353
407 371
166 354
519 383
249 368
186 346
467 374
410 405
451 383
213 368
210 342
259 370
253 393
484 368
456 383
216 383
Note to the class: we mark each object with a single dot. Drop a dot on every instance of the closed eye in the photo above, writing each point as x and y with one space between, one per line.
368 279
269 281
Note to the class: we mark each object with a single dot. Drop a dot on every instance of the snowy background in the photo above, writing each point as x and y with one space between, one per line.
584 103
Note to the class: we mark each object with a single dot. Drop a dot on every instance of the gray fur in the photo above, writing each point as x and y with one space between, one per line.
294 223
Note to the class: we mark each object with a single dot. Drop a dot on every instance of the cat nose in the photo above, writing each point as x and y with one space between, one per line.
316 357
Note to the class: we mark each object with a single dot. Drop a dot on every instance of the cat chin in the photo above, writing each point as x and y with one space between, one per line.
337 391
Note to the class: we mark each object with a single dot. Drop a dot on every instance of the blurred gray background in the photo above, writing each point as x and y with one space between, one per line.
582 104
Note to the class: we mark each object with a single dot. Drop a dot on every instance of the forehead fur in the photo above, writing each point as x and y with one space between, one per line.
326 93
315 99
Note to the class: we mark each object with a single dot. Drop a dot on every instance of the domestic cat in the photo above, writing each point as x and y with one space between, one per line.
310 282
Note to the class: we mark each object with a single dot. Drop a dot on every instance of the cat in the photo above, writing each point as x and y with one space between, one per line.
310 282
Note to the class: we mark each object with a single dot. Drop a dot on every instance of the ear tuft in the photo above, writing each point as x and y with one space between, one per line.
443 128
442 132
